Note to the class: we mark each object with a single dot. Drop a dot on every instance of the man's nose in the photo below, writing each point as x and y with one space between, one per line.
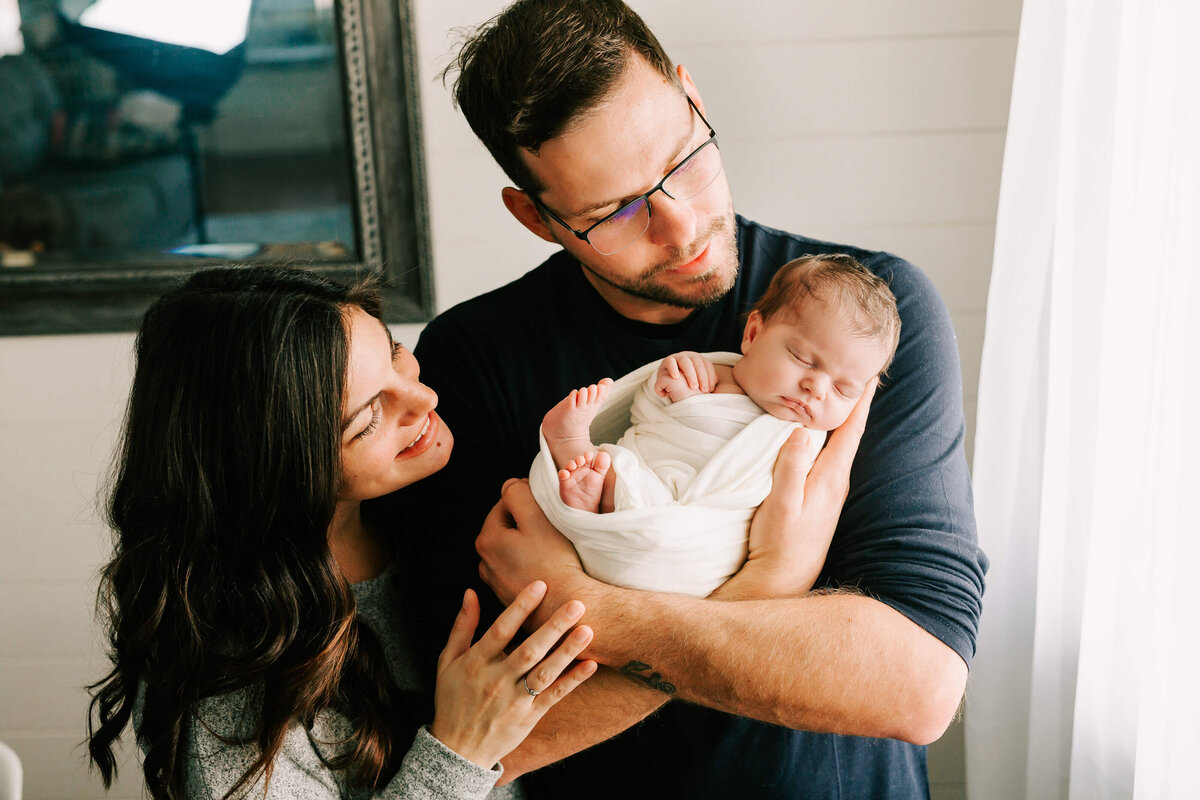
672 222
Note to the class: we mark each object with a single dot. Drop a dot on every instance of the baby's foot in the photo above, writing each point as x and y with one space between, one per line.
581 481
566 425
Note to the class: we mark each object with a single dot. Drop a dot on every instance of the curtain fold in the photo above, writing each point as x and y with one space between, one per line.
1085 451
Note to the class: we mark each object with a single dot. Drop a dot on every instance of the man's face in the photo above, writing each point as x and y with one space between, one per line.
688 256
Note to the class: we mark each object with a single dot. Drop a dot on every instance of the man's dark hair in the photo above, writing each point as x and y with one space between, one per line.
526 74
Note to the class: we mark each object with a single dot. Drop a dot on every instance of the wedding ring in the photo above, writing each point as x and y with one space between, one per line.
525 683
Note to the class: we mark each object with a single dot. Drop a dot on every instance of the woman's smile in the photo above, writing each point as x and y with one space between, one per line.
425 438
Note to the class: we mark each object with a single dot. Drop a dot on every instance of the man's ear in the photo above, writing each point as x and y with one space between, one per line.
754 326
521 206
688 86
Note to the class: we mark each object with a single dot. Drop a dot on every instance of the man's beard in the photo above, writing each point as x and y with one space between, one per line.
711 286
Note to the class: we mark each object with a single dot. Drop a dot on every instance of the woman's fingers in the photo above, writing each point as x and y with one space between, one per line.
534 648
461 632
509 622
543 673
562 685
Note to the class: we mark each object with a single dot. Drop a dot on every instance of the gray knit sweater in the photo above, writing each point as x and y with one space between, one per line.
430 771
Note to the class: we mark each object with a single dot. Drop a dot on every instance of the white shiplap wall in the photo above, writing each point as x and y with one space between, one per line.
874 122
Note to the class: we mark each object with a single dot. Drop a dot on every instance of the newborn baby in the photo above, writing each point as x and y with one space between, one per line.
668 507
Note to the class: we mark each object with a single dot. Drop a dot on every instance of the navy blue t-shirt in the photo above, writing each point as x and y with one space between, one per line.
906 535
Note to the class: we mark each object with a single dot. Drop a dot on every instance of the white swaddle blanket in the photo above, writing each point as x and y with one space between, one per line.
689 476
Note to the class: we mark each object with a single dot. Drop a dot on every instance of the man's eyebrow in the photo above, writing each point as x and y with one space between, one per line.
583 212
350 418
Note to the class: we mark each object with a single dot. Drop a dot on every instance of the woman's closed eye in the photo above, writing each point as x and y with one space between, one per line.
373 424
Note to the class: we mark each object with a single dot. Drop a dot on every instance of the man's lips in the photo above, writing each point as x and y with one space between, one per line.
696 265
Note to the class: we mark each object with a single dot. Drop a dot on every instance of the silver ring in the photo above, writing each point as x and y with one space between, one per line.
525 683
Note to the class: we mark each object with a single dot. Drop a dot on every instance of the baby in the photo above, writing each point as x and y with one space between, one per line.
705 429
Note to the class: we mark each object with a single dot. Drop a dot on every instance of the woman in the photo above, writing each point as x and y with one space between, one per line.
257 636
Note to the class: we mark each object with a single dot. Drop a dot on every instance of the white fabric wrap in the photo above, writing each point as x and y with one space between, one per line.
689 476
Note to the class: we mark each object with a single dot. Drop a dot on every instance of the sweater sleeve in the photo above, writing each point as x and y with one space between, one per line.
430 770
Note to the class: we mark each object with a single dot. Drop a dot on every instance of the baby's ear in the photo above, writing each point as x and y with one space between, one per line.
754 327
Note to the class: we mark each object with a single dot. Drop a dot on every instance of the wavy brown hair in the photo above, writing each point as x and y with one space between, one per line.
223 491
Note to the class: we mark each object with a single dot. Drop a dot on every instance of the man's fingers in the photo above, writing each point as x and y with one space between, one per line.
498 517
793 463
833 464
518 500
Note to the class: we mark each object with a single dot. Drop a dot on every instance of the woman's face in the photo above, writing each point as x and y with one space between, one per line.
391 436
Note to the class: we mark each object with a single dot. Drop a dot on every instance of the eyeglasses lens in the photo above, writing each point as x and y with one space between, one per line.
689 179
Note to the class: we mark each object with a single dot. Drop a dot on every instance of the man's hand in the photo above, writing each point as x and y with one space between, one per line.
792 528
518 545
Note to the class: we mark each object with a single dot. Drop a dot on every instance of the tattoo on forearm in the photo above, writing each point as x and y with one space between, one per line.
642 672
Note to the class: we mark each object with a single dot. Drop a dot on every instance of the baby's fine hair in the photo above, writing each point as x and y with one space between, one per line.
862 297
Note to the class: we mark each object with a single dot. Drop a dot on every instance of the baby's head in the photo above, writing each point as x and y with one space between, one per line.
826 327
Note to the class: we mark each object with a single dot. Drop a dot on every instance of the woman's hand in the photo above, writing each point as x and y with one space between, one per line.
487 701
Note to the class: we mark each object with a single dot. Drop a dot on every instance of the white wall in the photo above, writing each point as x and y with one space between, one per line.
875 122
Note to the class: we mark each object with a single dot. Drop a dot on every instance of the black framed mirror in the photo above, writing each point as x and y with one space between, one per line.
137 146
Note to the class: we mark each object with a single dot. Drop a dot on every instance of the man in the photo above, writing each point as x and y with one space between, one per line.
772 692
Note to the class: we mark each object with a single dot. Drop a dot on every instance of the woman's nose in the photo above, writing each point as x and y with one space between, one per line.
416 401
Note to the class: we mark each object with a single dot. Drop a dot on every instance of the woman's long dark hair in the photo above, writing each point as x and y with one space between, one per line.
224 488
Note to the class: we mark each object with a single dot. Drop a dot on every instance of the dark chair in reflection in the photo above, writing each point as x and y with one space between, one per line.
196 78
75 174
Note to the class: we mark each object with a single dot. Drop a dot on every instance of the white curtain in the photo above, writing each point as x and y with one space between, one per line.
1086 684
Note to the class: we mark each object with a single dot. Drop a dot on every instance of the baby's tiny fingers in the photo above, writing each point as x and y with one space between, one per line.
689 372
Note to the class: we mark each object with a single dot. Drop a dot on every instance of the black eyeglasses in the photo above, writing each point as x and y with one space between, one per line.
623 227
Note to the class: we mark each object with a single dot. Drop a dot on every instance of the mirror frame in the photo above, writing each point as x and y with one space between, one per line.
376 46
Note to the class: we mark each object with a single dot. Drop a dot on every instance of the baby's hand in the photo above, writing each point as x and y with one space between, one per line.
685 374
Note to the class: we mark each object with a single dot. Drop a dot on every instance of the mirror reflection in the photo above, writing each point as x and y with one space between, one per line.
138 131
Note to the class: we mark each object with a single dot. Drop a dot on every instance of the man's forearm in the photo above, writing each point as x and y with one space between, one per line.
839 663
603 706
